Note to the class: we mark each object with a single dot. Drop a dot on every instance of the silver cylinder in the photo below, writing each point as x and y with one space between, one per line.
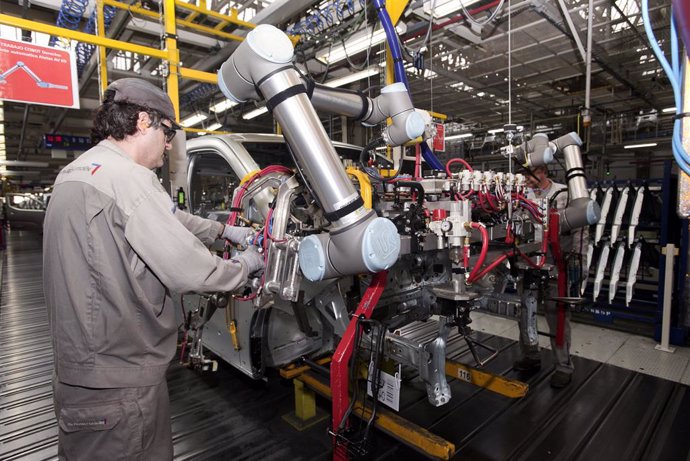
312 148
582 210
343 102
577 185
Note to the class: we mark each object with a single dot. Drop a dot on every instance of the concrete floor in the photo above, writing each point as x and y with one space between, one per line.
629 351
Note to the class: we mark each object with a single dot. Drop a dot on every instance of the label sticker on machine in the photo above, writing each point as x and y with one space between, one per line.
389 390
464 375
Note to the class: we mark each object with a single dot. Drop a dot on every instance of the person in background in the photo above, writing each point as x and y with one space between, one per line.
541 186
114 247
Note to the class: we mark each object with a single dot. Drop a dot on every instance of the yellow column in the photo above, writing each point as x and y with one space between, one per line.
173 55
102 57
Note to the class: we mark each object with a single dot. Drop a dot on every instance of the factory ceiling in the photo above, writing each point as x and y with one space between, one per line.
468 66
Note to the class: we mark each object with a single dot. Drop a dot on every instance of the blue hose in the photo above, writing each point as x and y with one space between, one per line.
69 16
673 73
399 70
84 51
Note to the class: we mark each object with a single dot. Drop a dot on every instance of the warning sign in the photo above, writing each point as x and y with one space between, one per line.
38 74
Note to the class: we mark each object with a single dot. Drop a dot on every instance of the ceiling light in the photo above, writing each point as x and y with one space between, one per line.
223 106
214 126
444 8
255 113
193 119
497 130
359 42
637 146
459 136
24 163
341 81
668 110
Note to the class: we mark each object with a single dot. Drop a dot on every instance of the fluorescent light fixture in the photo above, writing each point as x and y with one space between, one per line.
444 8
222 106
497 130
214 126
193 119
668 110
637 146
255 113
359 42
356 76
20 173
24 163
459 136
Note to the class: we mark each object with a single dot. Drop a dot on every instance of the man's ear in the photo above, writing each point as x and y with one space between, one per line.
144 121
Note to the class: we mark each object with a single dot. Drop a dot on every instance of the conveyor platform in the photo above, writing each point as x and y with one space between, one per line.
606 413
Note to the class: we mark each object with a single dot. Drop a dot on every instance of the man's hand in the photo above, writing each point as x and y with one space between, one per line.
237 234
252 258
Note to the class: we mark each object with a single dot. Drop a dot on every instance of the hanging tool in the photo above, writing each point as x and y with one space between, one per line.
618 216
588 264
616 271
605 207
601 268
632 272
635 216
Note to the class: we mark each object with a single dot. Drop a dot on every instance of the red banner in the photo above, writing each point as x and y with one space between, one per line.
440 138
38 74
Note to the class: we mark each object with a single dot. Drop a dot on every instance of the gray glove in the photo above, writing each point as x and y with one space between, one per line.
237 234
252 258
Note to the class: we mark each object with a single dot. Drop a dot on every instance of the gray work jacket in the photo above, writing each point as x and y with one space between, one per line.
114 247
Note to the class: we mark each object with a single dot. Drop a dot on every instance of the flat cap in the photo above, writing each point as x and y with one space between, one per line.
143 93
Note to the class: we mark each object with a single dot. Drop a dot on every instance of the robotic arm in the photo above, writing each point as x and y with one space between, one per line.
358 240
582 210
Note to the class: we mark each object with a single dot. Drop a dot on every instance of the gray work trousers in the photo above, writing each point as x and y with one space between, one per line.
113 424
527 322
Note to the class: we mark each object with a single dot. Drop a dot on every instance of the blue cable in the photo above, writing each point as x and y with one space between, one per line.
673 73
399 69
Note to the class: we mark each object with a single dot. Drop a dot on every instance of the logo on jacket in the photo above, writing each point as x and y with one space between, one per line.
95 168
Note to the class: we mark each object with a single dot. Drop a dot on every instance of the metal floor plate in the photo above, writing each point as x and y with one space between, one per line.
607 412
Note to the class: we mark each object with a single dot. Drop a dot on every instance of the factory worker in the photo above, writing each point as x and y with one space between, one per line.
114 248
572 244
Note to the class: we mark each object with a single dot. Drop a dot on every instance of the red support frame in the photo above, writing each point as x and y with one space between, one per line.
341 358
554 235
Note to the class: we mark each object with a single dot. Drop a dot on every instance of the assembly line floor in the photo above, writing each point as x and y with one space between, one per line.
608 412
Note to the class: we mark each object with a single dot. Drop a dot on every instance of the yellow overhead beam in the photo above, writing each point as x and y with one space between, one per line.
232 18
182 22
198 75
81 36
201 130
209 30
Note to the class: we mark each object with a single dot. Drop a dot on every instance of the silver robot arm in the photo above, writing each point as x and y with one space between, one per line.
394 102
581 210
358 240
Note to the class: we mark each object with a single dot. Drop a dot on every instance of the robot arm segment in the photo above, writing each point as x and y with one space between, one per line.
261 67
394 102
582 210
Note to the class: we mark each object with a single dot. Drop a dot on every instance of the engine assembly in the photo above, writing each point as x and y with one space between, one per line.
351 254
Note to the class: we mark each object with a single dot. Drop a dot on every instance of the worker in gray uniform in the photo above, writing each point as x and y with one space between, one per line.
114 247
541 292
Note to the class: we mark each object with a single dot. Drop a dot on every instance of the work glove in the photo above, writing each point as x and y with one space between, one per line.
253 259
237 234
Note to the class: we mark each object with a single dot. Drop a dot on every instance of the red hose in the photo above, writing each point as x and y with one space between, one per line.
490 267
456 160
485 248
